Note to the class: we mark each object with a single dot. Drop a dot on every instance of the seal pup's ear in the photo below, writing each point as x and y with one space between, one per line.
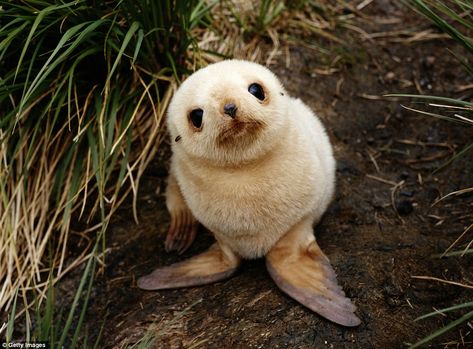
299 267
215 264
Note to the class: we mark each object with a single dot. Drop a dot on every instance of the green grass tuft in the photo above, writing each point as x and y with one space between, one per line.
83 89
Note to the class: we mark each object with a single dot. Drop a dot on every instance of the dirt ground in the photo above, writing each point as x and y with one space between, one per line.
380 231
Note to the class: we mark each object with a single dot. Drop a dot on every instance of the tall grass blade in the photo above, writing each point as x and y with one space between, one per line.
11 320
455 157
88 274
433 98
442 330
39 18
445 310
427 11
133 28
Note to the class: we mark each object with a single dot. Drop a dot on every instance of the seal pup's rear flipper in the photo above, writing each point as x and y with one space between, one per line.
300 269
217 263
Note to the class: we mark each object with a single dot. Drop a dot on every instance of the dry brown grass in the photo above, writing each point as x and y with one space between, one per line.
241 31
33 220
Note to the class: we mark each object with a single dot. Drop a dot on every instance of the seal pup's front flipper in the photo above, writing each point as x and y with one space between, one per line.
217 263
299 267
183 228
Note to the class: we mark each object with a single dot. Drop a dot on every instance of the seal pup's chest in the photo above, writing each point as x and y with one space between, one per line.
252 200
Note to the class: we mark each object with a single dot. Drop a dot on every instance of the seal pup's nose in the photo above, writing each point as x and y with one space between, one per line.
230 109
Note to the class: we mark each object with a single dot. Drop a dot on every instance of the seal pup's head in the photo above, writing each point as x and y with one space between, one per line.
228 113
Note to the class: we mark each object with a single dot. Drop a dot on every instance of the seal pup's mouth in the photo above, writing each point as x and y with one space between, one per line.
238 128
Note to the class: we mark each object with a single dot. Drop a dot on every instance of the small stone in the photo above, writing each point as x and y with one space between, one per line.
404 207
408 193
346 167
390 76
429 62
404 175
424 82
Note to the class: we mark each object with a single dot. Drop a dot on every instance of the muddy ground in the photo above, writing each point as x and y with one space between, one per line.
380 231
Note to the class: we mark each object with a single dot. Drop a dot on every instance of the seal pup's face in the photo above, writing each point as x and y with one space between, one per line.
228 113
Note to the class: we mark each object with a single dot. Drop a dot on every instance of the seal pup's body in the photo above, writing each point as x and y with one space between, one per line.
255 167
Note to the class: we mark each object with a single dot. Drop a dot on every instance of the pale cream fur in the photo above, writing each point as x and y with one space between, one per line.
251 188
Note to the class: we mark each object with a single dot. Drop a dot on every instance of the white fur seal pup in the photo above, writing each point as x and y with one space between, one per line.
255 167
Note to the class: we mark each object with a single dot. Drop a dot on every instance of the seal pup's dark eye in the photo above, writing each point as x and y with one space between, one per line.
256 90
196 117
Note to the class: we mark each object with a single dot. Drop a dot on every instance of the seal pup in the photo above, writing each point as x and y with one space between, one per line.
255 167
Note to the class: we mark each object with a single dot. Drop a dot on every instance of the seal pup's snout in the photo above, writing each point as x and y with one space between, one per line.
230 109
